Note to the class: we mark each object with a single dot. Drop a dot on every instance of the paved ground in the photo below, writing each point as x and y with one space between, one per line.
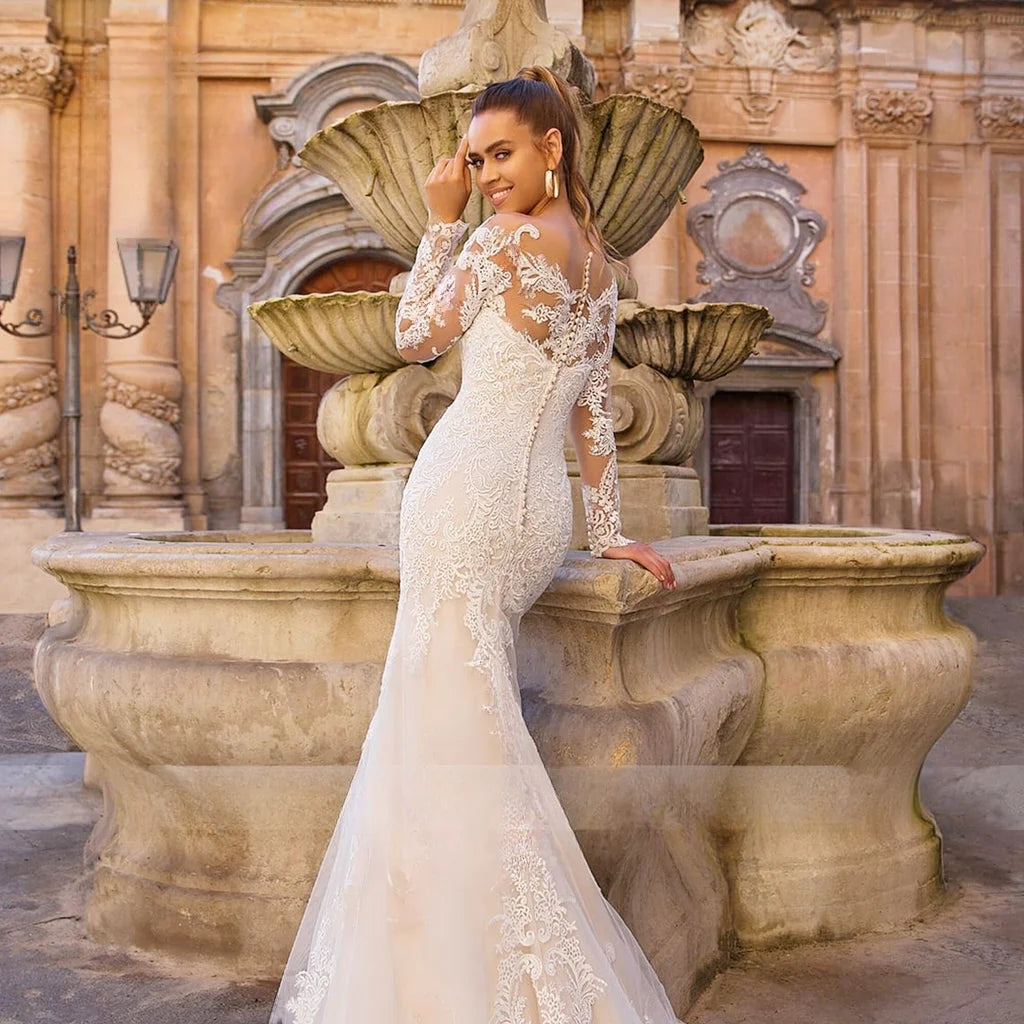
961 964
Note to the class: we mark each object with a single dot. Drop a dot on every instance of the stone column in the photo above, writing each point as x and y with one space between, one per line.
142 383
32 77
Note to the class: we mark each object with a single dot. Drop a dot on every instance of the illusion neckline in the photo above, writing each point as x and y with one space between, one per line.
557 267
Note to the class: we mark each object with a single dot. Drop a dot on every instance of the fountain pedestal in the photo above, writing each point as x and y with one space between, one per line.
363 504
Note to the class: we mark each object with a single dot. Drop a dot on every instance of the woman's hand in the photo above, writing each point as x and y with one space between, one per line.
448 185
644 555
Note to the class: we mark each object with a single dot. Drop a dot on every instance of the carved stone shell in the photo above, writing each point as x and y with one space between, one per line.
637 156
702 341
338 332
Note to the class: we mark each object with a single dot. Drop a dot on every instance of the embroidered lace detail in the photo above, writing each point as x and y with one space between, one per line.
430 289
540 948
601 502
501 270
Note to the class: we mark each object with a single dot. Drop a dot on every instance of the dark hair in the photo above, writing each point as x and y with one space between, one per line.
543 100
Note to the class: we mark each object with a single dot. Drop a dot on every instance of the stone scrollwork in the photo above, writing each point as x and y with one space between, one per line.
370 418
139 419
669 84
1001 117
35 72
658 419
29 421
892 111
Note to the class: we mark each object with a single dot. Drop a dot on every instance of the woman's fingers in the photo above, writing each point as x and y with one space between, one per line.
449 184
646 557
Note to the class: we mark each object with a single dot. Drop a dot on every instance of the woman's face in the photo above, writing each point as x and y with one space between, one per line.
509 161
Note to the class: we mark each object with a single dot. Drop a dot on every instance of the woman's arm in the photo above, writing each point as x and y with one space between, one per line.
594 440
423 325
593 436
444 295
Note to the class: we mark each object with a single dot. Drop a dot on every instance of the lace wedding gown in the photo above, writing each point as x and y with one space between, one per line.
453 890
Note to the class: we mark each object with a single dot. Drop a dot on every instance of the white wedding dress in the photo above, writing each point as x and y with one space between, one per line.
453 890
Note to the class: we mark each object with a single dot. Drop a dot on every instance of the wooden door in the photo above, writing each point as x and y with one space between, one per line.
306 464
752 465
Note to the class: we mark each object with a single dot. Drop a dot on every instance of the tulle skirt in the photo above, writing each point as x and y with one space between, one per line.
453 890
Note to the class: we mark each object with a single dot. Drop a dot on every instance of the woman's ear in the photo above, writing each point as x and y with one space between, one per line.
552 145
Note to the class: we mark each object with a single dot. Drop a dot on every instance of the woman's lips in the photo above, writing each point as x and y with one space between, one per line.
497 198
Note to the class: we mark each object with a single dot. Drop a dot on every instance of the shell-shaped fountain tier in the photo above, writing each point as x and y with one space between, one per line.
338 332
637 156
701 341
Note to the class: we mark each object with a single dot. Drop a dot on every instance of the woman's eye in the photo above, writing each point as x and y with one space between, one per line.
501 154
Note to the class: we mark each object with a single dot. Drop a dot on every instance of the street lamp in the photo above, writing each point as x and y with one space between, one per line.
148 265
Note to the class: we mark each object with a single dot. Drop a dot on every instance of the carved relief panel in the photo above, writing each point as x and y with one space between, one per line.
766 39
756 240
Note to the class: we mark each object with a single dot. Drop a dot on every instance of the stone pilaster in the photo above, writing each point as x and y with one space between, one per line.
33 78
142 382
651 65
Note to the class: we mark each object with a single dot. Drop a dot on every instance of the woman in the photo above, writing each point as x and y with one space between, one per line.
453 890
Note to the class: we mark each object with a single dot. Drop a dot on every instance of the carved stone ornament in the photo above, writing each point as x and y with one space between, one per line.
759 36
1001 117
29 422
38 72
303 108
760 39
494 40
756 239
892 111
139 420
669 84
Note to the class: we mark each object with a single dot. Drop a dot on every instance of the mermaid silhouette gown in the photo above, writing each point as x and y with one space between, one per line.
453 890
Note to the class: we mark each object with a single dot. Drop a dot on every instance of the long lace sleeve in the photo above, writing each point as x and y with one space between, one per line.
594 439
443 294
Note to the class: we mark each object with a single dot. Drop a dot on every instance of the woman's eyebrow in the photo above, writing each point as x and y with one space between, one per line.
490 149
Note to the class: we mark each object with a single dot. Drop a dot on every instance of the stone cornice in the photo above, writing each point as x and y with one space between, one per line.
1000 117
948 13
36 72
892 111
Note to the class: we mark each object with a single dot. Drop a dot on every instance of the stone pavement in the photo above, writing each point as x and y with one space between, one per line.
961 963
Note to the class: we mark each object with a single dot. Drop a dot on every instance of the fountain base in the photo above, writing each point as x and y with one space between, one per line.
739 756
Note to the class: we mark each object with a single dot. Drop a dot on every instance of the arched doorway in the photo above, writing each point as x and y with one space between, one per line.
306 464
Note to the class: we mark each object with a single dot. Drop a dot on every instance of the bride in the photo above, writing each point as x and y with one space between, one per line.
453 890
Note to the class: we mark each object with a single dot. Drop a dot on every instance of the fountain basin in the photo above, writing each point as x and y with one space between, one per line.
637 156
222 685
337 332
699 341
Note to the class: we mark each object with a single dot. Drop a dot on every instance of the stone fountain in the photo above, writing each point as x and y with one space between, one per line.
739 757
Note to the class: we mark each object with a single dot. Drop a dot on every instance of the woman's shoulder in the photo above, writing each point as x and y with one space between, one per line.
510 225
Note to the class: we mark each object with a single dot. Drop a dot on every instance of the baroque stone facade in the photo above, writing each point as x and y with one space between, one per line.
902 122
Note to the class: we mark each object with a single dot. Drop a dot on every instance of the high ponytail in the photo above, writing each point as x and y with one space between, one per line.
542 100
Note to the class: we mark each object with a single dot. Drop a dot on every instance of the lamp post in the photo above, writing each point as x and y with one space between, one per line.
148 265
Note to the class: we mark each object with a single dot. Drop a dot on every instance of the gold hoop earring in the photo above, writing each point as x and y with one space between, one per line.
551 183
